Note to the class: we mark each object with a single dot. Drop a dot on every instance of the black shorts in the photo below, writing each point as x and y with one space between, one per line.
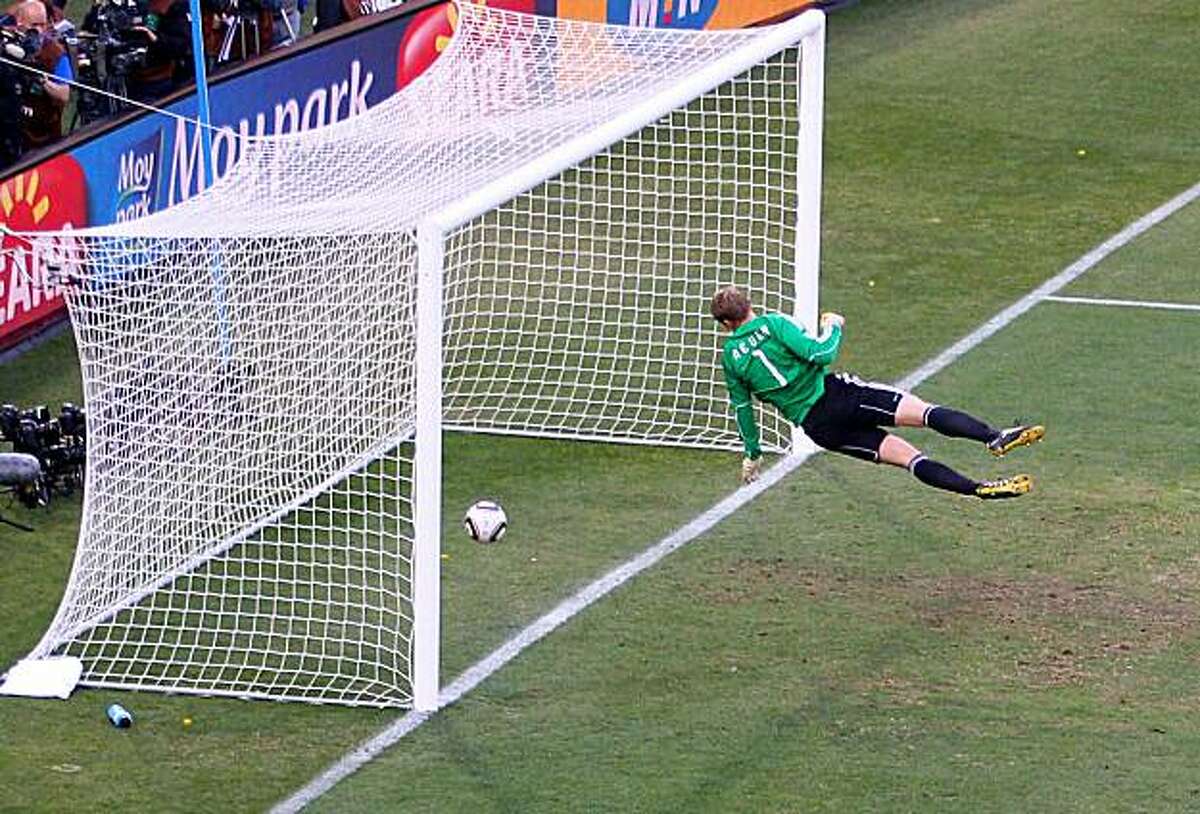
847 419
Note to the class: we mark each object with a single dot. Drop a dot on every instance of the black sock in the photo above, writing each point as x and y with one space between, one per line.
957 424
940 476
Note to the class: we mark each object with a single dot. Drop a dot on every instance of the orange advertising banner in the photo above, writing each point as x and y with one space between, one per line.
681 13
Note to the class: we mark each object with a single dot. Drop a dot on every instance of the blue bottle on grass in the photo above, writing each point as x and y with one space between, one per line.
119 716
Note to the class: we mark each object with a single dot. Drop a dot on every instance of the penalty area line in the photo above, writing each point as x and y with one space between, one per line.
544 625
1162 306
1050 287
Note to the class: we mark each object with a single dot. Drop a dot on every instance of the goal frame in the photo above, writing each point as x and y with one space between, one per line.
806 30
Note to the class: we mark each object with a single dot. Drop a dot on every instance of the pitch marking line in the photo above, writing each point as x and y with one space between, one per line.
371 748
1166 306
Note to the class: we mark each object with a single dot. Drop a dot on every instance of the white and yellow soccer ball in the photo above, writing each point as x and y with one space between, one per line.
485 521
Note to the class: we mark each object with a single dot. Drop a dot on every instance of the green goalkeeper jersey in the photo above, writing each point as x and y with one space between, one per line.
773 359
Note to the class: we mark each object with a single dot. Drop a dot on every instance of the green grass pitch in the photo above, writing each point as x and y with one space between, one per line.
850 641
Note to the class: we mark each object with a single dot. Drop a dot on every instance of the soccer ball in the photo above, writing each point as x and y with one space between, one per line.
486 521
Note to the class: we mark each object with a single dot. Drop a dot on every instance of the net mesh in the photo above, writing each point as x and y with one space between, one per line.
250 463
580 308
248 355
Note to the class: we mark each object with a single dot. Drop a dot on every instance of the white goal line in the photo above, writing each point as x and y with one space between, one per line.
1165 306
367 751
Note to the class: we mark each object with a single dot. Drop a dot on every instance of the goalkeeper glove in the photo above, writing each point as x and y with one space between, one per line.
750 469
830 318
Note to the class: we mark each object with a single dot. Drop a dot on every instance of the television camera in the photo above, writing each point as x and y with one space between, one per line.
107 49
22 47
16 86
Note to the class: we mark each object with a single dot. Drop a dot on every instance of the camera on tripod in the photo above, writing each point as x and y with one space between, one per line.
106 52
243 20
59 444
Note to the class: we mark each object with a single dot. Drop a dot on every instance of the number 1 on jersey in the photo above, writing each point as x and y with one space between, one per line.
774 371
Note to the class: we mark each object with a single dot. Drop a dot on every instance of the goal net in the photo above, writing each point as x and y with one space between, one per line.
523 240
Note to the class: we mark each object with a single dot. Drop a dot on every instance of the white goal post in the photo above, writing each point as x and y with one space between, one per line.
523 240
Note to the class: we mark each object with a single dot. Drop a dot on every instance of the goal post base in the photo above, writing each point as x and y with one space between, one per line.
52 677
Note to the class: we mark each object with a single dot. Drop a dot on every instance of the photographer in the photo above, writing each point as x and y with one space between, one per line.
36 100
166 30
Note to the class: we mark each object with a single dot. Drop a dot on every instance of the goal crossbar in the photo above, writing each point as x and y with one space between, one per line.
810 24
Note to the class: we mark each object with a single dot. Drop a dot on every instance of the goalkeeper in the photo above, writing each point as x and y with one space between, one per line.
773 359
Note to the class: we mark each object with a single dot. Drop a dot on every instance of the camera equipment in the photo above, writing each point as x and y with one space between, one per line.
16 85
58 445
21 474
22 47
241 19
106 52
